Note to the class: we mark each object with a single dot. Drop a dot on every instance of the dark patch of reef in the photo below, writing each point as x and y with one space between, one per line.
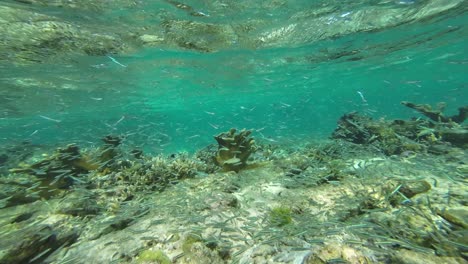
393 137
94 192
13 154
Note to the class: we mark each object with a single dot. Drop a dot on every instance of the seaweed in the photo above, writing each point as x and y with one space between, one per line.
280 216
153 256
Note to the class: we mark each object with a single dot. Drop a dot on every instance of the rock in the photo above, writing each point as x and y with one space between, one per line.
79 203
382 218
198 252
151 39
412 257
15 152
334 252
458 216
3 159
153 256
34 243
19 190
440 149
58 170
457 137
258 254
411 188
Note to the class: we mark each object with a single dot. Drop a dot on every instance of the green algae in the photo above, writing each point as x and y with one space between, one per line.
280 216
153 256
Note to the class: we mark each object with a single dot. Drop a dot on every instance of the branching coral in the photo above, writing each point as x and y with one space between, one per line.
436 114
151 175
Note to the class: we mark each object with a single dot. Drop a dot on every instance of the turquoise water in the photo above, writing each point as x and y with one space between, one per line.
168 76
172 99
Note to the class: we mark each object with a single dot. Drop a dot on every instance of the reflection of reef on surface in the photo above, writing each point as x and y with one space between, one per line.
33 34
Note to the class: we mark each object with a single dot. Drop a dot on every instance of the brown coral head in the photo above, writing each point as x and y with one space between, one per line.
234 148
70 149
112 140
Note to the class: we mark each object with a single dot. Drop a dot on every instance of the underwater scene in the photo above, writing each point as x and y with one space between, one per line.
195 131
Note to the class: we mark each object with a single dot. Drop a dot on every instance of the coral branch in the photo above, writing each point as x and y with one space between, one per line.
437 115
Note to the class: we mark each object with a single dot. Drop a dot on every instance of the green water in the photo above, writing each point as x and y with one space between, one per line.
290 89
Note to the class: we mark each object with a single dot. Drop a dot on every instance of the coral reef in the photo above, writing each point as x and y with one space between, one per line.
58 170
391 137
146 175
234 149
15 153
108 152
207 155
437 114
399 136
342 200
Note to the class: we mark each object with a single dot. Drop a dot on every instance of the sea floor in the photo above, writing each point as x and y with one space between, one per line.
321 202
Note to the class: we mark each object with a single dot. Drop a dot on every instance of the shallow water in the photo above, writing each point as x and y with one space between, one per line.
293 87
167 76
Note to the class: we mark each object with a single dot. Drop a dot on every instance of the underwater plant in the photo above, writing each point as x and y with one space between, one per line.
153 256
280 216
